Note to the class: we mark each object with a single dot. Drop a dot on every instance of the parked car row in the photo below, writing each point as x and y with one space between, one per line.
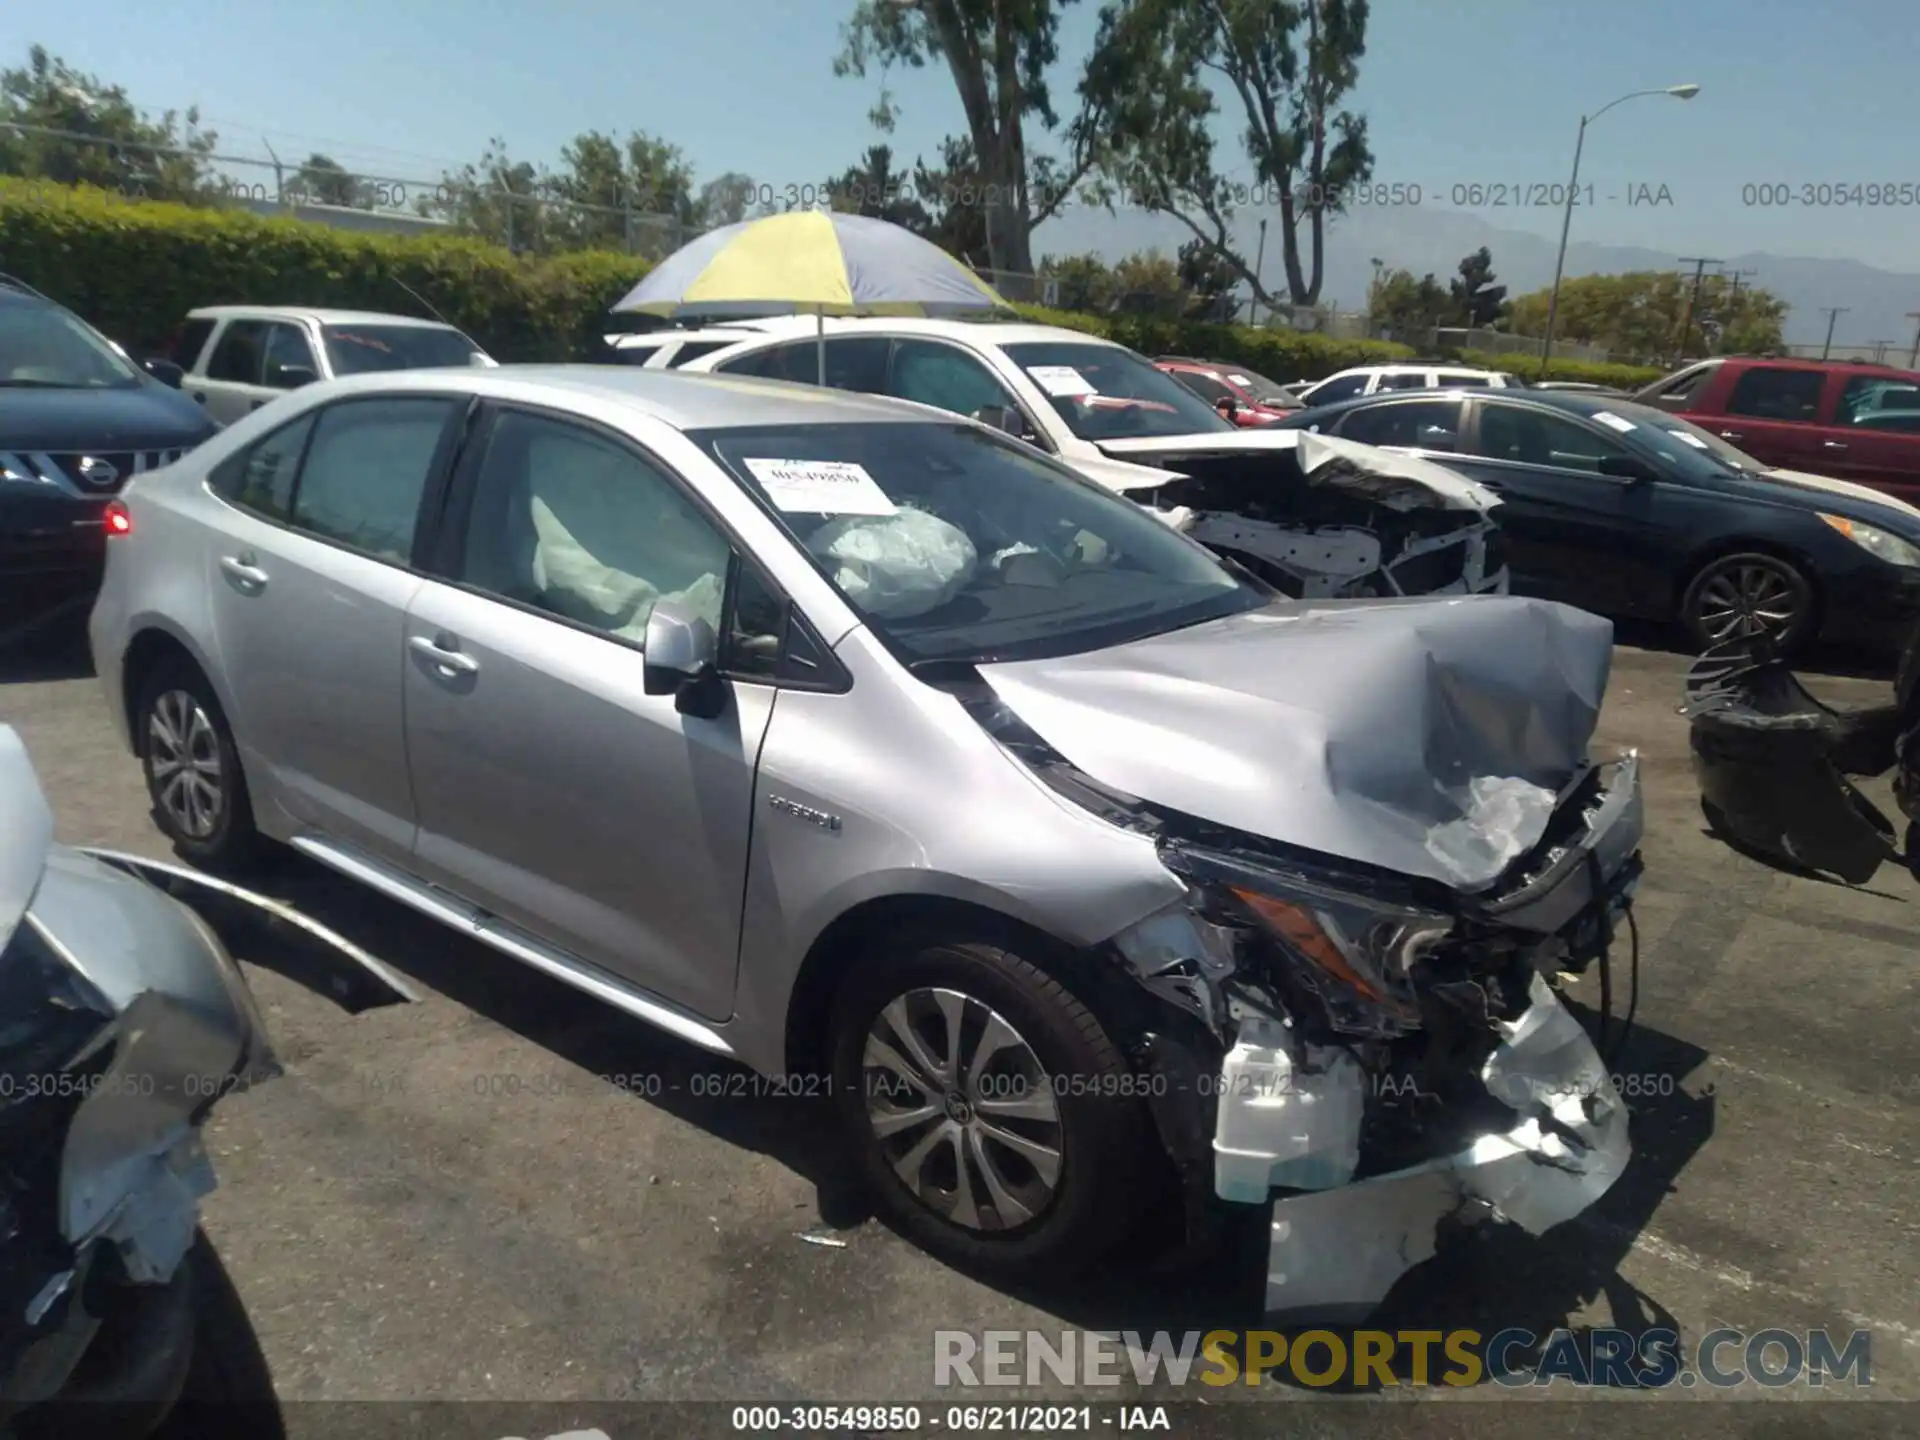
1633 512
78 418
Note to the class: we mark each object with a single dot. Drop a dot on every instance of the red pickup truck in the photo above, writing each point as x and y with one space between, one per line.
1852 422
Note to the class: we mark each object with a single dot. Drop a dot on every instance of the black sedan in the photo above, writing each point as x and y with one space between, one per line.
1632 512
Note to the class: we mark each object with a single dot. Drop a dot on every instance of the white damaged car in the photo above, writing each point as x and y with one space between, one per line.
1313 516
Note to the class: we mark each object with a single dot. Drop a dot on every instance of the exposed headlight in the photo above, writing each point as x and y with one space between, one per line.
1875 541
1357 952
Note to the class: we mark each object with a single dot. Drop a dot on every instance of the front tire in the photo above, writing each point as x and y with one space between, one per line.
1745 594
192 767
993 1119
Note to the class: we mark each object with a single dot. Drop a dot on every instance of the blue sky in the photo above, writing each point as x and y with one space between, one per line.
1457 92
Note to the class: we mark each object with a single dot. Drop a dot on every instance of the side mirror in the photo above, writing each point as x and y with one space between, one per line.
1626 467
1005 418
165 371
682 660
291 377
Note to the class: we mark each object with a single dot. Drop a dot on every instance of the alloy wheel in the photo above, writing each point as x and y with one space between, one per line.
183 764
1748 598
963 1110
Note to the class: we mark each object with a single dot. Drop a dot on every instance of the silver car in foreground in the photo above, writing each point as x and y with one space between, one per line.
868 747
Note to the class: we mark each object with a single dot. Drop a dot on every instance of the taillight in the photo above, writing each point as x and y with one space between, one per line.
118 518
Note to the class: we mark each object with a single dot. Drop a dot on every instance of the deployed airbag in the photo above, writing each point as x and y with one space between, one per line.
896 566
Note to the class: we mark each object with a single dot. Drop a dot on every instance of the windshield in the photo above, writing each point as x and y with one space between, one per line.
42 346
358 349
1695 453
1106 393
956 545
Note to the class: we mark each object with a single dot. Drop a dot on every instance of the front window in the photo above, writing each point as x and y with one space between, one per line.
1684 450
958 546
361 349
1770 393
1103 392
45 347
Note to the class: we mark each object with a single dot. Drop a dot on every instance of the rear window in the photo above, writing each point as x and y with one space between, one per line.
363 349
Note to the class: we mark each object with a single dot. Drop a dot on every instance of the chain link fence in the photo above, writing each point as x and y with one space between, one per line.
493 209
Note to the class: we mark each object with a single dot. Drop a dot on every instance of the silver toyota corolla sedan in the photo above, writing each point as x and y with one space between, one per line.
876 751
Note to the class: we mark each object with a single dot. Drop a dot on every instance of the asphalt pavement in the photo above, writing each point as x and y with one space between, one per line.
443 1202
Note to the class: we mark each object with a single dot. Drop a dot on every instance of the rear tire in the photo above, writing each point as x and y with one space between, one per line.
1738 594
192 767
1039 1075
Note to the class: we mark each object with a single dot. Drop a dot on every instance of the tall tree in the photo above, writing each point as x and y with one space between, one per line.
1083 283
953 193
725 199
997 53
1476 298
1286 68
497 198
83 131
1405 307
1637 316
1208 280
323 180
874 188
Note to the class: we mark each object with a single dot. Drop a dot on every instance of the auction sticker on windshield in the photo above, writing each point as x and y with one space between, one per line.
1608 418
820 487
1061 381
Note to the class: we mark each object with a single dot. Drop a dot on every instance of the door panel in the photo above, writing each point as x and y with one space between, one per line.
1572 534
231 386
309 614
1773 413
553 791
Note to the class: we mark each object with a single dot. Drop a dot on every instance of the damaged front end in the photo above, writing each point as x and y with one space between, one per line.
1386 1056
1376 1049
123 1021
1322 517
1774 763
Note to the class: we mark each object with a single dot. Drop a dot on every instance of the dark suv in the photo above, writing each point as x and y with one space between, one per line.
77 421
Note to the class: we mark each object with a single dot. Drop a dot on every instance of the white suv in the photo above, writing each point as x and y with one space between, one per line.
235 358
1371 379
1311 514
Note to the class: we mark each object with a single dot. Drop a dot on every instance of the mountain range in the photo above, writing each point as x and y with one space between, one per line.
1875 303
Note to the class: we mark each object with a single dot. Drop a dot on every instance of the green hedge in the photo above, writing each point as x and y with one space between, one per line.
1591 372
134 268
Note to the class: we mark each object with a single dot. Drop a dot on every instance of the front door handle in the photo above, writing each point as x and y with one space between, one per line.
445 653
244 571
1832 445
1729 434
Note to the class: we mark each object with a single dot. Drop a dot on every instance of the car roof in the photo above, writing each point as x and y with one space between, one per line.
731 332
310 312
1788 362
674 397
1578 402
991 332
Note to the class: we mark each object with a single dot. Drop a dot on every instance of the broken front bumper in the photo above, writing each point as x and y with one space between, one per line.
1338 1248
1335 1253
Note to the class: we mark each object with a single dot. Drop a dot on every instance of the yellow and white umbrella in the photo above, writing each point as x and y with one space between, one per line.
811 261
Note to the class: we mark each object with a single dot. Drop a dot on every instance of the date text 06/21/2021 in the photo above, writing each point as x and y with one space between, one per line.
1460 195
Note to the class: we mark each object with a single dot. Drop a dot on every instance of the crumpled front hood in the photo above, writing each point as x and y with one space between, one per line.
1425 483
26 832
1430 737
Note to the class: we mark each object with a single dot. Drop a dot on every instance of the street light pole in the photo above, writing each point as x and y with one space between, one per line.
1913 360
1833 314
1679 92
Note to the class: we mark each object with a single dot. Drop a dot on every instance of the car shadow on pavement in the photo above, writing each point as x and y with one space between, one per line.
1487 1279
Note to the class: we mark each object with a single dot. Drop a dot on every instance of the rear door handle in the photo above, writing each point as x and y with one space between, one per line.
1729 434
1832 445
444 651
244 571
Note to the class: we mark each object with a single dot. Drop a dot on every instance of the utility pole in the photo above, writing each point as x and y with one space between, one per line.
279 175
1913 360
1699 263
1833 313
